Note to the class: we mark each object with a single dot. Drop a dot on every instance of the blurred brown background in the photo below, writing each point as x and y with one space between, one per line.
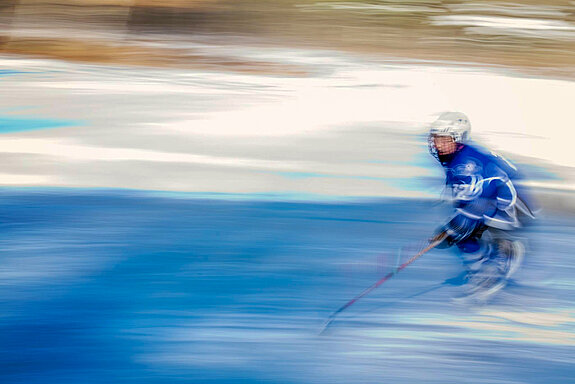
532 35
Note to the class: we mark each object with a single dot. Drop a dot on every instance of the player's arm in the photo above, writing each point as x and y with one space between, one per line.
505 200
470 207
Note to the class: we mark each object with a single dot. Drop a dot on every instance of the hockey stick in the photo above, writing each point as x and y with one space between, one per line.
434 243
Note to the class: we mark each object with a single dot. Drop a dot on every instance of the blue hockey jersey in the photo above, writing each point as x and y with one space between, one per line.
484 187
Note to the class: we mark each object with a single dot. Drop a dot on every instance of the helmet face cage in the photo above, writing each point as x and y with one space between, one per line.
431 146
453 124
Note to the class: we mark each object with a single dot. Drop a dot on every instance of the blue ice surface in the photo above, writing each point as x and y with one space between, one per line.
142 287
21 124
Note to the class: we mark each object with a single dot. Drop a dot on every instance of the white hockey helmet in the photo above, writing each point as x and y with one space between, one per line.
453 124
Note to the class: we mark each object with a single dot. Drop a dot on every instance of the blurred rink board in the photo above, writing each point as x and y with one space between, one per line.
239 112
94 126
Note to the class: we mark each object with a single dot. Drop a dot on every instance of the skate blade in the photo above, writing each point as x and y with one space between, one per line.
480 295
514 267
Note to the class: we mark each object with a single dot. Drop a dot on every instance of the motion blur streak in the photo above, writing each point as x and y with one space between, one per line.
189 188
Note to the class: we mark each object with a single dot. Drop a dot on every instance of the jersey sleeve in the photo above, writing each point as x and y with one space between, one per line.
485 194
500 189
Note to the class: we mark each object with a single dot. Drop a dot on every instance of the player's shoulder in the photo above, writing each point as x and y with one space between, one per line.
478 151
472 155
490 160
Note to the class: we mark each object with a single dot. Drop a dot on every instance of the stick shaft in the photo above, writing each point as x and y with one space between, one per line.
433 244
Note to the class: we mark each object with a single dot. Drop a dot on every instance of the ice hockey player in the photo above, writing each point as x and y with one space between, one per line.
489 204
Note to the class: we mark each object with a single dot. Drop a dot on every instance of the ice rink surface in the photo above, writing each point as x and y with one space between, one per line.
136 287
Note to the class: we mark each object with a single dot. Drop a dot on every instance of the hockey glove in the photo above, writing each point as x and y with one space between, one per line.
460 228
